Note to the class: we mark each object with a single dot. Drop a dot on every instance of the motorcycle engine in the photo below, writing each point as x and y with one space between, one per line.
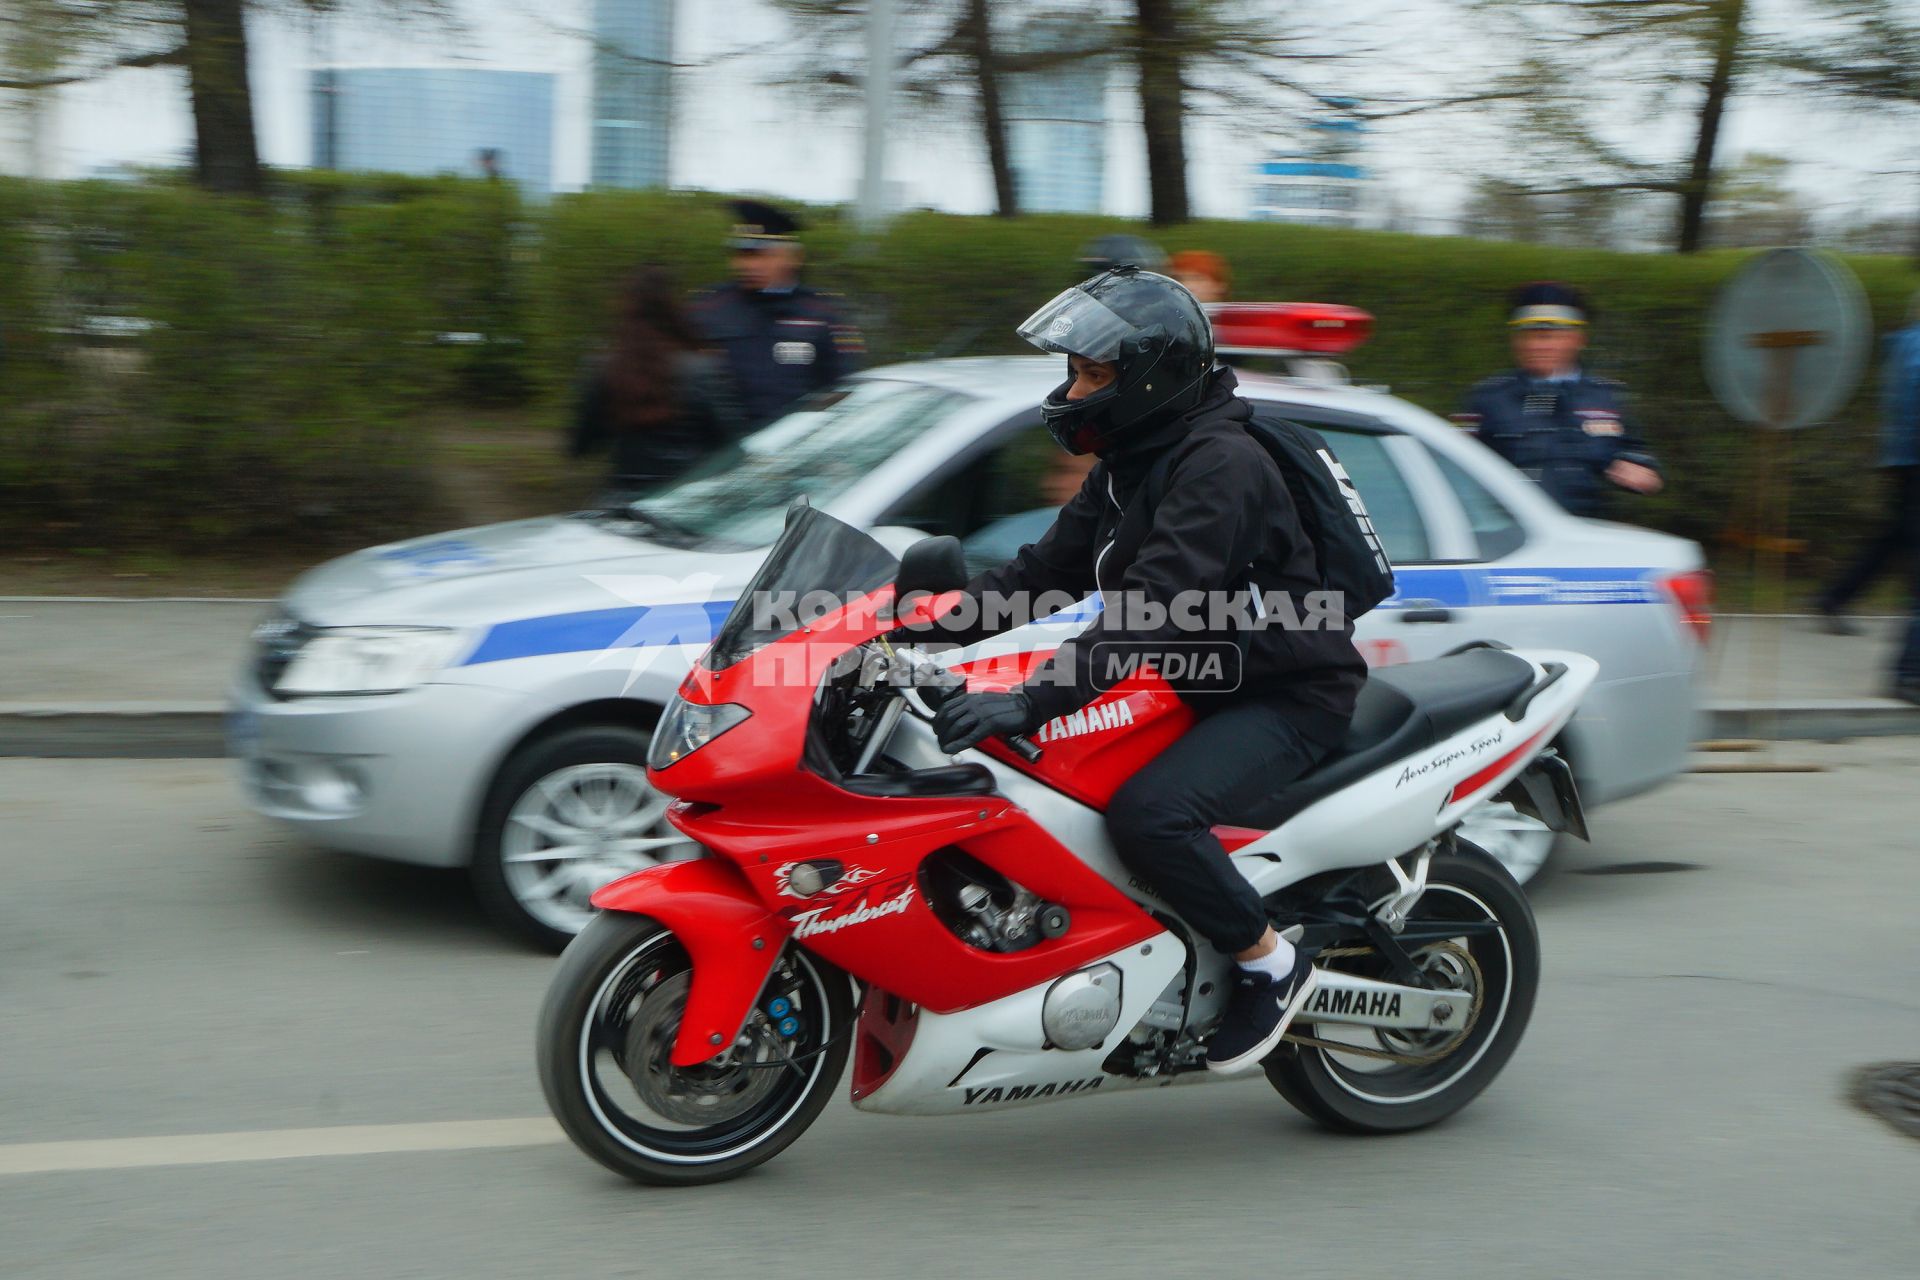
983 908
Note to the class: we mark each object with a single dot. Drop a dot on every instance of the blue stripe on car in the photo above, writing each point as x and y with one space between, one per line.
642 626
630 627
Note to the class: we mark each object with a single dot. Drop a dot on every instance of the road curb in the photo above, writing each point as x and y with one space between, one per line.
113 730
1812 718
197 730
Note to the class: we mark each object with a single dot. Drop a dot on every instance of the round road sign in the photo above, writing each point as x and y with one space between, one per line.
1787 338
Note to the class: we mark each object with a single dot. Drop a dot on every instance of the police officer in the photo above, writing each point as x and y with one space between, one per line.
780 338
1565 428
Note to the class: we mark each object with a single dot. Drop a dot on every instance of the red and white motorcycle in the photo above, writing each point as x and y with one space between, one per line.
965 930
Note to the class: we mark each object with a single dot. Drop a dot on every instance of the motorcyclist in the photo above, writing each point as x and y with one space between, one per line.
1142 392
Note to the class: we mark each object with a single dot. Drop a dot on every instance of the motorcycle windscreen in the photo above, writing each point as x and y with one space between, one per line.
818 564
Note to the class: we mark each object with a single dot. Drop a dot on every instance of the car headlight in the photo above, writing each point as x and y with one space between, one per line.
689 726
342 660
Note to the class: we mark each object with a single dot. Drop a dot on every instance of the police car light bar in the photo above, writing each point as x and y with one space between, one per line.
1287 328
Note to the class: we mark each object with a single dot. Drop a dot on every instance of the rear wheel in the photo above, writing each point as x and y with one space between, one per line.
1407 1080
605 1043
1517 842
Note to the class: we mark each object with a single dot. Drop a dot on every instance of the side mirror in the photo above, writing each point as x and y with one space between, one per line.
931 566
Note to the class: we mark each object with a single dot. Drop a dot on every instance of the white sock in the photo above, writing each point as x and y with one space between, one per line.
1276 964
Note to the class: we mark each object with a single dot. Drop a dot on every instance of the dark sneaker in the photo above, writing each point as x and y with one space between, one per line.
1258 1013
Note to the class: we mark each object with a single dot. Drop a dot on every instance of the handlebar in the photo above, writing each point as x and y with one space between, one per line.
935 692
1023 746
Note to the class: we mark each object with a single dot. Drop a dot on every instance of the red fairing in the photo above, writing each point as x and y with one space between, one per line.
885 1033
729 934
1087 755
875 922
748 797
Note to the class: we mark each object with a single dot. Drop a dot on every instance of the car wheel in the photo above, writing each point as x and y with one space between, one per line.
567 814
1517 842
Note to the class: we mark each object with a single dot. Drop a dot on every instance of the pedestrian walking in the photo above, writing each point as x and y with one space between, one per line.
1564 427
655 400
1900 533
781 339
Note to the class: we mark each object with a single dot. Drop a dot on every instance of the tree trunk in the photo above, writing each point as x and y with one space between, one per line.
1161 110
225 157
978 25
1698 188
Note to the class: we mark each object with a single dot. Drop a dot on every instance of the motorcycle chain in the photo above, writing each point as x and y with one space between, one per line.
1404 1059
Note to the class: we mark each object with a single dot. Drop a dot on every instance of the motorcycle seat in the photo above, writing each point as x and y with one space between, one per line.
1401 710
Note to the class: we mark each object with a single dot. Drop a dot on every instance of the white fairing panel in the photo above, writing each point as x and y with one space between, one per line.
996 1055
1413 799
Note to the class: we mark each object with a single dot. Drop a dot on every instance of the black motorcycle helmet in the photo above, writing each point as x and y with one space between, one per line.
1107 252
1148 326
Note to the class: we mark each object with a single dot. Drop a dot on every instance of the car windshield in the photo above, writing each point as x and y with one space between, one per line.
817 557
740 495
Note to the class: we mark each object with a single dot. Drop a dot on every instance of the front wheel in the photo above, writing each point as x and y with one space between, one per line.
1390 1082
605 1044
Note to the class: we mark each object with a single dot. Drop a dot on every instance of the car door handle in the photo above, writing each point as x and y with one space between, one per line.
1425 611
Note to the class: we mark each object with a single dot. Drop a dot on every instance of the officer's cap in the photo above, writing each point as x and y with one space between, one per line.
1548 304
758 225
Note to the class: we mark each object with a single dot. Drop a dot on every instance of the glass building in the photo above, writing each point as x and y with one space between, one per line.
1324 185
632 92
429 120
1056 125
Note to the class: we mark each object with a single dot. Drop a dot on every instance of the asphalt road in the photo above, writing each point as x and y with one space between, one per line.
223 1055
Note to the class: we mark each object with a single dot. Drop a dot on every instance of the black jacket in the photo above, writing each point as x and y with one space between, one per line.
706 420
778 346
1225 521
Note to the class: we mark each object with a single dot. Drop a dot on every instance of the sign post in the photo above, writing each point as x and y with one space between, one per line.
1786 342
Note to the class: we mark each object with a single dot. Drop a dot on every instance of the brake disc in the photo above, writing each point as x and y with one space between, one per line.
707 1094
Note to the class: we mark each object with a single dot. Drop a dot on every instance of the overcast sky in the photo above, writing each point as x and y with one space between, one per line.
735 132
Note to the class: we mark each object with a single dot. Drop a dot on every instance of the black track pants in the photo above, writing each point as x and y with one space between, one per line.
1161 819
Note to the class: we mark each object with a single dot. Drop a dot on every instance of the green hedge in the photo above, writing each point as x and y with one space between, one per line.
293 341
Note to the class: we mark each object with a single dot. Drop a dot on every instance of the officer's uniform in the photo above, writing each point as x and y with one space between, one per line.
779 344
1563 432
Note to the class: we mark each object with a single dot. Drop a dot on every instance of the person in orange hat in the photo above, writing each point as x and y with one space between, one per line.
1204 272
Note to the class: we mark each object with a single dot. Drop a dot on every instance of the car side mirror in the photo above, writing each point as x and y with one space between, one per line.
931 566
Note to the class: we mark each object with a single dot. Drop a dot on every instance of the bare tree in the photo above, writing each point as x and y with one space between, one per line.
1693 55
950 46
54 42
1189 57
225 156
1866 52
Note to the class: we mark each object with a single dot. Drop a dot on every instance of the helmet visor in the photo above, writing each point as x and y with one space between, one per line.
1077 324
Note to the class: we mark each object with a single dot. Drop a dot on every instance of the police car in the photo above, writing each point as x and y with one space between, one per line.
486 697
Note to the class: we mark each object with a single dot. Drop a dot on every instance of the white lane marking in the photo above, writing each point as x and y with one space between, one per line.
137 600
274 1144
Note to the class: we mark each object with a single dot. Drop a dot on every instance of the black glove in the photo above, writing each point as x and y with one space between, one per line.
968 719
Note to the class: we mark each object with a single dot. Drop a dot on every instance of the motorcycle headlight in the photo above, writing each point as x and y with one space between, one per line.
343 660
689 726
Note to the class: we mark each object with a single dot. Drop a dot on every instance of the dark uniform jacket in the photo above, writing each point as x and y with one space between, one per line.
778 346
1563 434
707 418
1226 521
